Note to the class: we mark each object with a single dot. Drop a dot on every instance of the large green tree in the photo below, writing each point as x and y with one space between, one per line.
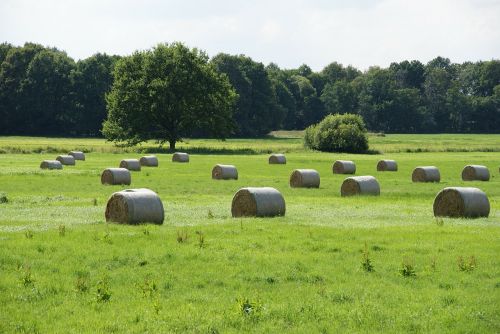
165 94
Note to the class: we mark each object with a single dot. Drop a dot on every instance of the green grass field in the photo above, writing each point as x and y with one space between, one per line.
63 269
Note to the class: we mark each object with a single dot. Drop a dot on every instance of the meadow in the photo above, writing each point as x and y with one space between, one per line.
331 264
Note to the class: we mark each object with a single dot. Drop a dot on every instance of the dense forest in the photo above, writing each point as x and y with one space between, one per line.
45 92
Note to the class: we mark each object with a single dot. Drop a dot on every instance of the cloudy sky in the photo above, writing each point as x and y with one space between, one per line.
288 32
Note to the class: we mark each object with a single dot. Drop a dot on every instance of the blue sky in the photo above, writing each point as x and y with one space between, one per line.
316 32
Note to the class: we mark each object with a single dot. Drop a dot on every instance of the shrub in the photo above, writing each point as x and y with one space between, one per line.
338 133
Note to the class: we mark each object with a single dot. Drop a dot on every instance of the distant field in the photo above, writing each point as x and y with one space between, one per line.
278 141
63 269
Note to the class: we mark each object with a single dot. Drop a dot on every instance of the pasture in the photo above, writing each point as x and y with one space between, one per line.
331 264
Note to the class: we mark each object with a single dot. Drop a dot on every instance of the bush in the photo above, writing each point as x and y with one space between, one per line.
338 133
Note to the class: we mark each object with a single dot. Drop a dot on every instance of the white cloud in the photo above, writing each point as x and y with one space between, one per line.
315 32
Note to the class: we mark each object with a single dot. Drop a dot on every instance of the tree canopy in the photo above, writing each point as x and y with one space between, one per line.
45 92
165 94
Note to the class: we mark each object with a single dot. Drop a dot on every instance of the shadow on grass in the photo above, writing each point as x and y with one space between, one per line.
205 150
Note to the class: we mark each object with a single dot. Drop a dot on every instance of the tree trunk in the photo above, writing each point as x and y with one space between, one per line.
172 144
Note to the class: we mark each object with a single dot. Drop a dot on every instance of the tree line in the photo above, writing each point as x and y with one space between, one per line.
43 91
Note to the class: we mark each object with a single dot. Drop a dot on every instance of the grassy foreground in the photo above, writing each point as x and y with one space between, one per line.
62 269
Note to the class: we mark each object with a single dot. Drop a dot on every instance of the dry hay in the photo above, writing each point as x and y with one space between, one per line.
224 172
387 166
66 160
277 159
115 176
130 164
180 157
258 202
149 161
426 174
304 178
360 185
463 202
344 167
135 206
51 164
475 173
78 155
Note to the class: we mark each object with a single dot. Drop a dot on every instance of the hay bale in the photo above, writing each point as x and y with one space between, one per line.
387 166
475 173
277 159
344 167
360 185
224 172
134 206
149 161
426 174
78 155
66 160
258 202
304 178
131 164
461 202
115 176
51 164
180 157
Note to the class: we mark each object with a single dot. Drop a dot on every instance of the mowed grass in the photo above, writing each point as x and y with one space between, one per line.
63 269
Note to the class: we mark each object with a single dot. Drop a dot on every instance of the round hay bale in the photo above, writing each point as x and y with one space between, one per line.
149 161
51 164
475 173
131 164
78 155
426 174
66 160
387 166
304 178
463 202
180 157
115 176
344 167
135 206
277 158
258 202
224 172
360 185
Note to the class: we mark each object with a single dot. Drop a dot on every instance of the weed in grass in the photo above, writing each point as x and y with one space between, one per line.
366 262
156 306
145 231
28 234
103 293
107 237
82 281
249 307
143 263
94 201
341 298
182 236
210 214
62 230
40 249
3 198
148 287
26 277
448 300
433 263
407 268
201 239
439 222
467 265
